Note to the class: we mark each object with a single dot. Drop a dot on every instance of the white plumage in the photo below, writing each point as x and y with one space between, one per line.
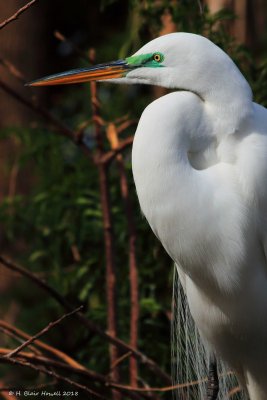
200 169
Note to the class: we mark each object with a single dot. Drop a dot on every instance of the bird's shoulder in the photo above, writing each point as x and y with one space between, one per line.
173 112
177 104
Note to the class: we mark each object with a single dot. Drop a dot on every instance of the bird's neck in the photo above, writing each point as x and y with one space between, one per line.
224 91
177 199
164 179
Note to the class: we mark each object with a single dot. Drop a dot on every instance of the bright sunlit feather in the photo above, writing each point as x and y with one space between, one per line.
199 164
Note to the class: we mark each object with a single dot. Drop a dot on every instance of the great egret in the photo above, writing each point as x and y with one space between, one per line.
200 168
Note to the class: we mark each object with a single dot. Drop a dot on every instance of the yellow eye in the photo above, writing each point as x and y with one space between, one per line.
157 57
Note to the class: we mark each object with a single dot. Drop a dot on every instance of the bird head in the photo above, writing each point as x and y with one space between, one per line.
178 61
160 62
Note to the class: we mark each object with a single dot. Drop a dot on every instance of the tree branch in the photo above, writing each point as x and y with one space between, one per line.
32 359
86 322
17 14
10 329
110 155
42 332
109 240
112 134
54 375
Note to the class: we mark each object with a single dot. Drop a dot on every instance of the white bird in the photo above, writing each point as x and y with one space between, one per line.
199 162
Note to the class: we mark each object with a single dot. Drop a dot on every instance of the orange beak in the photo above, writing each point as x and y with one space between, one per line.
115 69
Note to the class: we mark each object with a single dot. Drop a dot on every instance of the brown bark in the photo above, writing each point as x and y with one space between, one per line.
16 15
111 278
133 271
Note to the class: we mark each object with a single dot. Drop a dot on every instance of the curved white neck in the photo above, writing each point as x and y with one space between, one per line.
162 173
174 196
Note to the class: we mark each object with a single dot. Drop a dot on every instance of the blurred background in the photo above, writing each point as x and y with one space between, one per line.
69 217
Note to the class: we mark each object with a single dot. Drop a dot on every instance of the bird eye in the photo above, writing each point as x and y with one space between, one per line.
158 57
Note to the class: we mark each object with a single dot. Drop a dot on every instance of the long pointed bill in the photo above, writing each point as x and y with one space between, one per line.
115 69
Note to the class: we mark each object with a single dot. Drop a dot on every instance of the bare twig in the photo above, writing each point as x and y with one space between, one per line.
13 335
112 134
54 375
86 322
98 377
17 14
102 379
111 278
36 359
10 329
126 124
110 155
171 388
81 372
121 359
42 332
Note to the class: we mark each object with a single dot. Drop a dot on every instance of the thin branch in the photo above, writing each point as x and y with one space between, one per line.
112 135
158 389
81 372
86 322
19 334
169 388
109 239
17 14
42 332
102 379
49 362
96 376
126 124
54 375
110 155
13 335
121 359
